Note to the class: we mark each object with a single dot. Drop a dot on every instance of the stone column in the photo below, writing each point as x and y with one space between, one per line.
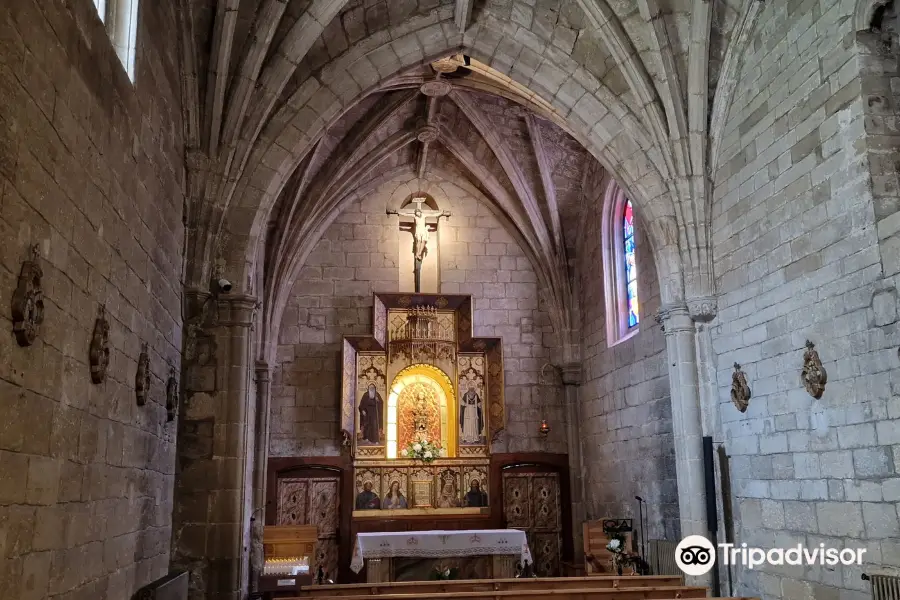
687 426
259 472
213 489
571 378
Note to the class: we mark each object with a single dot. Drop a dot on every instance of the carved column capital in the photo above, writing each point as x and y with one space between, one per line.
194 298
237 309
674 318
571 373
703 309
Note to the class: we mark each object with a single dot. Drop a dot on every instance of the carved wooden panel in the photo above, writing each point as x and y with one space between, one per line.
324 496
313 501
516 503
327 556
531 502
545 496
545 551
292 498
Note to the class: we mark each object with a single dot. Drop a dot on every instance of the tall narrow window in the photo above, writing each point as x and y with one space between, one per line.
620 280
630 265
122 24
101 9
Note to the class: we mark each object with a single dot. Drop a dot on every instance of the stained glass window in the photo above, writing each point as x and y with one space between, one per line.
630 266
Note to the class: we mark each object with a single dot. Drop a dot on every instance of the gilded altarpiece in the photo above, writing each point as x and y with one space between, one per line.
421 378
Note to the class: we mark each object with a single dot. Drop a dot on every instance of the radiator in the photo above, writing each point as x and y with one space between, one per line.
662 558
884 587
171 587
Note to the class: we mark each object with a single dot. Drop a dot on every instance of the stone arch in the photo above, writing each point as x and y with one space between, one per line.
620 144
864 11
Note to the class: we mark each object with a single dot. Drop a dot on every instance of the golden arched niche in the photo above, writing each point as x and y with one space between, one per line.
436 389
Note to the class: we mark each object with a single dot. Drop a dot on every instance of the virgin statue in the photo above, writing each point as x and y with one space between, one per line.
420 416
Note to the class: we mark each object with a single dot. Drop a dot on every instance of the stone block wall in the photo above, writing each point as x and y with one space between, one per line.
91 173
357 256
797 258
626 412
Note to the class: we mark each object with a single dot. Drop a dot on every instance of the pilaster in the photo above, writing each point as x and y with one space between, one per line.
214 480
571 374
261 455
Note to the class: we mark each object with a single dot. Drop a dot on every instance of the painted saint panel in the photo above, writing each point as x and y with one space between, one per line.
370 418
472 422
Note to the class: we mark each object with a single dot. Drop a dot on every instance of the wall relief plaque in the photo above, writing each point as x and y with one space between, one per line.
28 301
813 374
99 351
142 379
740 391
171 395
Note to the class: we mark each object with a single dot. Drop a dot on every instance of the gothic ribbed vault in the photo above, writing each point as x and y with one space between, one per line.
292 103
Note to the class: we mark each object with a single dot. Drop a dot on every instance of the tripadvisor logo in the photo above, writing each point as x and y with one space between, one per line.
695 555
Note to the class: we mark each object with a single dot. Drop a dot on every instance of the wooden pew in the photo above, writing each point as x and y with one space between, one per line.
646 593
484 585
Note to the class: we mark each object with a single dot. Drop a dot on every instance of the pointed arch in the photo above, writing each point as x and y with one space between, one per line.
620 281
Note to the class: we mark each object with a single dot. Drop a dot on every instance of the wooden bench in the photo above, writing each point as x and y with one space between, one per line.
646 593
487 585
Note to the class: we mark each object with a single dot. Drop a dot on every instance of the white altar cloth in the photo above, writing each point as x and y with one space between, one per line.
439 544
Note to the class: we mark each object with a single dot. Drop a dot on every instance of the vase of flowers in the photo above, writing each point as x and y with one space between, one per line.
616 547
422 450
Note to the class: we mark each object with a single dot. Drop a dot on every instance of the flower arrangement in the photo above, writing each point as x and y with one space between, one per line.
445 574
621 558
616 546
422 450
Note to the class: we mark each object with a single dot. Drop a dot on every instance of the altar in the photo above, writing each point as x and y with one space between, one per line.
377 551
421 407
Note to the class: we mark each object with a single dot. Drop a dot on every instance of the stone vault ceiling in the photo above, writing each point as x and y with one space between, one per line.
442 119
291 103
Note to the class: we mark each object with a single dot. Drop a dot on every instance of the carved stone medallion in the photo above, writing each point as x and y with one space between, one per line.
813 374
427 133
28 301
171 395
740 391
99 352
436 88
142 379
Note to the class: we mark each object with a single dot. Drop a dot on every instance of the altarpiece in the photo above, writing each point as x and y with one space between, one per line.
421 379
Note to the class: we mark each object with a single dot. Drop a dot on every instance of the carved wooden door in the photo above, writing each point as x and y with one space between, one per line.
313 501
531 503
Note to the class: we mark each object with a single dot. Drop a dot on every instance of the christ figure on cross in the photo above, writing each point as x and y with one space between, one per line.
420 230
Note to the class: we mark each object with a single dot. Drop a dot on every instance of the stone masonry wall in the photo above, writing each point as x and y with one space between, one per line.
90 172
626 413
797 258
357 256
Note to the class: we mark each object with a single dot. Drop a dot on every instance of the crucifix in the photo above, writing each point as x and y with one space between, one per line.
420 230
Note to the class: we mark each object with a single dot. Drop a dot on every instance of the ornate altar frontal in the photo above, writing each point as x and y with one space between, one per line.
421 401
